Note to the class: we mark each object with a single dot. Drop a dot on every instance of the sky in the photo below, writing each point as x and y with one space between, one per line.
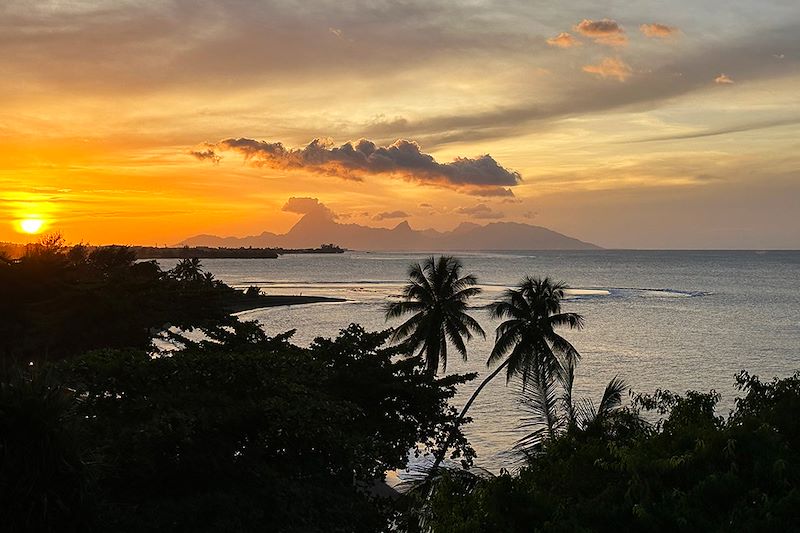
646 124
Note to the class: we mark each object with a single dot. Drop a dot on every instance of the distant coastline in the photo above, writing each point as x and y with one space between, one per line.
210 252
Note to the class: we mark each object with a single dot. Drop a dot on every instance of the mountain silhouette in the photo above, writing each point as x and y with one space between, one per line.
318 227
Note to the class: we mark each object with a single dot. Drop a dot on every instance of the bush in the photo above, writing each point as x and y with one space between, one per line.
690 471
245 432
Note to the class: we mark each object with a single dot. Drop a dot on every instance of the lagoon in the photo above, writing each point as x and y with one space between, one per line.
671 319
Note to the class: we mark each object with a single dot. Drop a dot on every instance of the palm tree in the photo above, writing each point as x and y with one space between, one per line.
526 342
552 416
189 269
436 298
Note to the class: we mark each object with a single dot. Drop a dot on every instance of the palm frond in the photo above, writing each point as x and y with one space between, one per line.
563 348
398 309
507 306
417 292
472 324
407 328
571 320
568 404
455 334
612 395
586 413
416 273
462 295
540 399
504 342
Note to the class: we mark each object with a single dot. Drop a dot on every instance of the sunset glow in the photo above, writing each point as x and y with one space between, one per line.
616 126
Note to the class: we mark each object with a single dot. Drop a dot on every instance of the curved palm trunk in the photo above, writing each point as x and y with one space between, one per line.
441 453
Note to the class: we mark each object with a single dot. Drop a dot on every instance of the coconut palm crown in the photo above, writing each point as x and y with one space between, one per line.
526 340
436 297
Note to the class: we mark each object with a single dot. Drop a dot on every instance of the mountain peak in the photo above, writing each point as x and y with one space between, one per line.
312 221
465 226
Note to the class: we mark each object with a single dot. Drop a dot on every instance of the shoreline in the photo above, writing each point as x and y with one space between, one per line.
262 301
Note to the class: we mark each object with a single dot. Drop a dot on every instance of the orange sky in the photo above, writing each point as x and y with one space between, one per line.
633 127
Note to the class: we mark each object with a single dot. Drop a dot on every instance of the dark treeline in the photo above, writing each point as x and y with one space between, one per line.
207 252
58 301
235 430
11 251
203 252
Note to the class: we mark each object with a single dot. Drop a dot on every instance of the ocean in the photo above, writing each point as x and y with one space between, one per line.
674 320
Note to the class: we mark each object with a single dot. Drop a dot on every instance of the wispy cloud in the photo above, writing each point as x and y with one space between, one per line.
356 160
660 31
605 31
724 79
481 211
610 67
563 40
739 128
387 215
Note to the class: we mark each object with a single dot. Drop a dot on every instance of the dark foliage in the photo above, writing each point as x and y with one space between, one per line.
44 481
240 433
690 471
58 302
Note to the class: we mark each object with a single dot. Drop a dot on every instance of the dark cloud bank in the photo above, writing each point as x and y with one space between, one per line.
480 175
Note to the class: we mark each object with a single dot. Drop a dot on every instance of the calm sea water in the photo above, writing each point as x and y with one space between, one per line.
659 319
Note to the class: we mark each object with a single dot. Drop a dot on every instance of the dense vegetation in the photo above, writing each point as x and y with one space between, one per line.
235 432
238 431
59 301
251 434
689 471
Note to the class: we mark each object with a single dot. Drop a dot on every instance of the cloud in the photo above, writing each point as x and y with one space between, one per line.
642 92
563 40
734 128
480 211
610 67
390 214
604 31
355 160
723 79
660 31
305 205
491 192
205 155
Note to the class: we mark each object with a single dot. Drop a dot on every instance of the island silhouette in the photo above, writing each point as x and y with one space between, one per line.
320 225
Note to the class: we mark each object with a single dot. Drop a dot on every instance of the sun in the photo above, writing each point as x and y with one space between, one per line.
31 226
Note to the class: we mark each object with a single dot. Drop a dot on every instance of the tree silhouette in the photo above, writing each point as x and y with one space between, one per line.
188 270
527 344
436 298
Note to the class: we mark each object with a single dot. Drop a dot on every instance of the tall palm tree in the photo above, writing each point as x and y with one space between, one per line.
436 298
526 343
